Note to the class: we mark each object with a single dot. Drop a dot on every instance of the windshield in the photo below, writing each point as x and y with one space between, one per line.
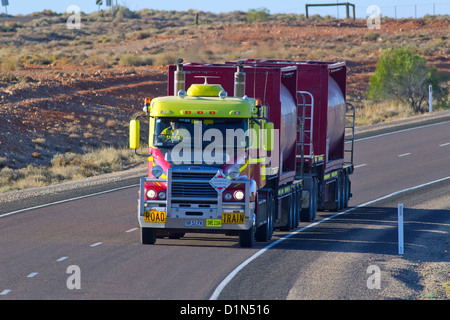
218 139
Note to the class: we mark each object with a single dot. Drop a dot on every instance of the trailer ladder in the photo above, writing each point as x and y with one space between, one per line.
349 139
305 126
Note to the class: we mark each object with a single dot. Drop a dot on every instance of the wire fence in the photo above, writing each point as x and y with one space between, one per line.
392 11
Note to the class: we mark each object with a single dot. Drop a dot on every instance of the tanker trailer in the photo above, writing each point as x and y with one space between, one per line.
325 133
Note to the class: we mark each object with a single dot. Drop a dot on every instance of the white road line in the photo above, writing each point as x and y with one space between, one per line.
131 230
444 144
230 277
62 259
66 200
399 131
5 292
404 154
96 244
31 275
360 165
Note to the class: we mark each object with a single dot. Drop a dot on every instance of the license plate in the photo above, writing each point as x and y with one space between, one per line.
233 218
155 216
193 223
213 223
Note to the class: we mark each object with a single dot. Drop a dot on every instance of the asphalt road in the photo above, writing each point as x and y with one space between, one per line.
98 235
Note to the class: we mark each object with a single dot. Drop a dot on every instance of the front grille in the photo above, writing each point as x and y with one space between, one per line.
193 185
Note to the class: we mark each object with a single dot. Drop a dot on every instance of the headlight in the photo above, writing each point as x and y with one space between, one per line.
234 173
151 194
228 196
161 195
157 171
239 195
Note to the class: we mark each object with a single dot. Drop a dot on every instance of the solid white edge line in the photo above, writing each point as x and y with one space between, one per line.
399 131
5 292
230 277
31 275
66 200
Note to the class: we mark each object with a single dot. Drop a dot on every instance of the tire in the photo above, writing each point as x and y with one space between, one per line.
148 235
247 237
338 194
346 191
264 233
290 219
310 213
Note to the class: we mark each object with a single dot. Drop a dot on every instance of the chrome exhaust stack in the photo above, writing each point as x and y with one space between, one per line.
239 80
180 76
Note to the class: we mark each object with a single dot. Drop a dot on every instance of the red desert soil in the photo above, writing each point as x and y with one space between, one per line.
60 109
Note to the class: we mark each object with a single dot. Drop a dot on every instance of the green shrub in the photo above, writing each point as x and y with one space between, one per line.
258 15
402 74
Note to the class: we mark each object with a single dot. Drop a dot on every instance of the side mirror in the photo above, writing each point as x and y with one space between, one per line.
134 134
268 136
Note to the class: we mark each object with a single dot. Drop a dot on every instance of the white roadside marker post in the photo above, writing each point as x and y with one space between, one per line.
401 248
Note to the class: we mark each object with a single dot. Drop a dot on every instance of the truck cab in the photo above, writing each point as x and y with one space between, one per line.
203 148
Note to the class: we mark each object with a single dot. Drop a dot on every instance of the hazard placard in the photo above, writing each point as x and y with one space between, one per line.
220 181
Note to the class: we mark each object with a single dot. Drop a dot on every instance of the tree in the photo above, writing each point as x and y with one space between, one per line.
402 74
260 14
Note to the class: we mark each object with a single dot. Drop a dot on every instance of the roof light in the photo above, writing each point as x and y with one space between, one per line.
200 112
212 112
146 104
188 112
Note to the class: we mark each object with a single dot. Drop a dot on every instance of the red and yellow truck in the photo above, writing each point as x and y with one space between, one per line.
245 147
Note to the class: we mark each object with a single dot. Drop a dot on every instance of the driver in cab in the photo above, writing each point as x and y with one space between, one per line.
172 133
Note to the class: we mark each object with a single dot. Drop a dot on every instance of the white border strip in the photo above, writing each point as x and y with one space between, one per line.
230 277
399 131
66 200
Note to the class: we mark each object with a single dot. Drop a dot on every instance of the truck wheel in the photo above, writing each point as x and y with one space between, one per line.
309 214
148 235
264 233
246 237
346 191
338 194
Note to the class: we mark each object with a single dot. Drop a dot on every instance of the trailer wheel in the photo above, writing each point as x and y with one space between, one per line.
339 194
346 191
148 235
246 237
310 213
297 207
